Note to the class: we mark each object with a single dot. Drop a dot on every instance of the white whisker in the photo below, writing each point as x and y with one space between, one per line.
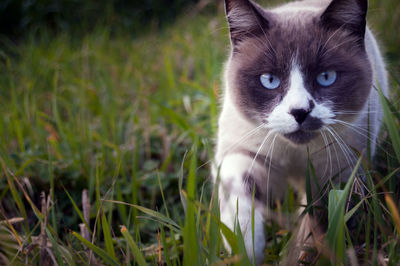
243 138
350 153
343 146
238 142
255 156
336 152
328 153
360 130
269 172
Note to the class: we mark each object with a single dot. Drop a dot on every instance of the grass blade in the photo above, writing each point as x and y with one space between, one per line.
77 209
213 229
191 254
392 127
241 246
134 248
394 211
107 236
56 248
101 253
336 218
350 213
159 217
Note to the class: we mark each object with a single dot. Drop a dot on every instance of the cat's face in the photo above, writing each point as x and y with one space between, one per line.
298 72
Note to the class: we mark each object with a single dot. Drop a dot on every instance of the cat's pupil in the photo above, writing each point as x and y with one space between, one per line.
271 79
326 76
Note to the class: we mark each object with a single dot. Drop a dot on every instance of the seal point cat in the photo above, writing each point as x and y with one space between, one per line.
300 84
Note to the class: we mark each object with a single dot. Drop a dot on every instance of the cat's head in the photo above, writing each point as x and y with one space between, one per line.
297 68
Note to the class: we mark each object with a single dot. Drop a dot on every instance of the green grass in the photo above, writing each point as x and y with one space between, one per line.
133 120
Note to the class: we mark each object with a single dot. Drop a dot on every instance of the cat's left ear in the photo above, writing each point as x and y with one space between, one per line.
246 19
347 14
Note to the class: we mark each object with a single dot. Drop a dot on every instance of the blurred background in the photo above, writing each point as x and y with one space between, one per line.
19 18
119 98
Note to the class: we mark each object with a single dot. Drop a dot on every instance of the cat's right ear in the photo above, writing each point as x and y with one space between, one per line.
245 19
347 14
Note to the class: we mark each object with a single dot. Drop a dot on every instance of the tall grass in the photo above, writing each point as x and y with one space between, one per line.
132 121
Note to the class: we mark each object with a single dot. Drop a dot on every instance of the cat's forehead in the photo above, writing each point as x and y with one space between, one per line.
295 37
295 15
279 45
298 7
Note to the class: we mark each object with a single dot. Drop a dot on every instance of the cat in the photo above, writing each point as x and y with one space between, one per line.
301 83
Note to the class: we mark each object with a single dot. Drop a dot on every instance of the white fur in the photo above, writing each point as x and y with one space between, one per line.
233 195
297 97
288 9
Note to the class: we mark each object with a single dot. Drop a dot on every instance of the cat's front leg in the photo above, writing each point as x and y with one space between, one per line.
238 175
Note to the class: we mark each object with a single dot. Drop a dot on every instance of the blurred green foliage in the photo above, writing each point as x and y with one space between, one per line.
20 16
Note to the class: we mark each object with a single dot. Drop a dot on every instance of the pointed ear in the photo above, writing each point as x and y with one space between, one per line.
245 18
347 14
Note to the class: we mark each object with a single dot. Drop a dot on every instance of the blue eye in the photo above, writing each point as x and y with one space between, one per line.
270 81
327 78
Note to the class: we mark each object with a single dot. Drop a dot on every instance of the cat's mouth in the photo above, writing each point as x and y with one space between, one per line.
306 131
300 136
